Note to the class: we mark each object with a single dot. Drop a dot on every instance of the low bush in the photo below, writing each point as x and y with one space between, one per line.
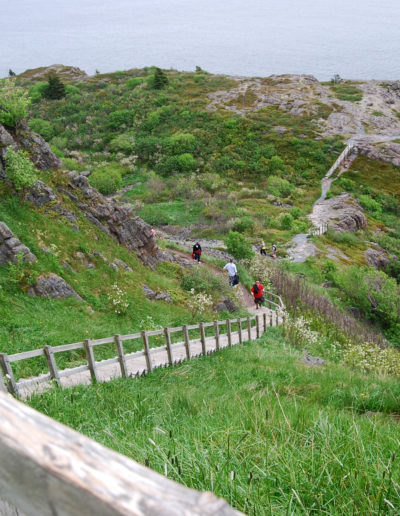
106 180
238 246
14 103
280 187
20 169
42 127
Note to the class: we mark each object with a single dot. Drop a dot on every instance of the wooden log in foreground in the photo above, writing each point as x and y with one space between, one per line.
47 469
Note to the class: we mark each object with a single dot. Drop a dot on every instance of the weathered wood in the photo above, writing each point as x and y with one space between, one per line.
68 474
25 354
216 332
147 355
169 347
249 328
68 347
54 375
121 356
187 341
283 320
264 322
239 321
258 326
91 361
2 384
270 319
229 332
8 374
202 338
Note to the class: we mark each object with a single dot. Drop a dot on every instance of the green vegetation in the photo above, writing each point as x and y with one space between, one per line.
255 426
346 90
20 169
14 103
55 89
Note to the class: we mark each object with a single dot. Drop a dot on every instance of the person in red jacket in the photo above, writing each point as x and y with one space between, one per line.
258 293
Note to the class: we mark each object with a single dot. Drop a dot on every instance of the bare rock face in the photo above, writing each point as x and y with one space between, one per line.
67 73
40 153
376 258
227 305
156 296
117 220
342 213
12 249
389 152
52 286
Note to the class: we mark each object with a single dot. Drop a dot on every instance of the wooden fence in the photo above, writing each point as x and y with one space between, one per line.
349 149
319 230
46 469
245 328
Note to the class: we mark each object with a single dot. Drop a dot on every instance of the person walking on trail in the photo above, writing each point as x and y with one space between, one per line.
258 293
196 252
263 250
274 251
232 272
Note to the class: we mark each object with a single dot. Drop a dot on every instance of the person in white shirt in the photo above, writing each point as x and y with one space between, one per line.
232 271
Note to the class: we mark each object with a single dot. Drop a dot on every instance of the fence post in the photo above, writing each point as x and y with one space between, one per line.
2 384
249 328
283 320
147 352
52 365
258 326
240 330
216 331
203 338
8 374
187 342
270 319
229 332
121 356
169 349
90 358
264 322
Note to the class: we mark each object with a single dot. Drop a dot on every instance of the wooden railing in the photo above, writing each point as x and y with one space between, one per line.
343 156
46 469
246 327
319 230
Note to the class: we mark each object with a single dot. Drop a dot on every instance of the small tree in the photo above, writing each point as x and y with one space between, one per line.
55 89
238 246
160 79
11 73
14 103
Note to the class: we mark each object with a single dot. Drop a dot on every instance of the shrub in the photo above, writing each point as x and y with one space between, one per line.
14 103
280 187
159 80
36 92
118 118
238 246
20 169
287 221
118 300
243 224
370 205
123 143
183 163
133 82
42 127
106 180
295 212
181 143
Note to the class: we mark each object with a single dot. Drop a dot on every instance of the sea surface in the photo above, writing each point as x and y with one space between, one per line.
358 39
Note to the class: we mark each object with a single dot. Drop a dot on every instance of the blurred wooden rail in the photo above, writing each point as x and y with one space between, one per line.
46 469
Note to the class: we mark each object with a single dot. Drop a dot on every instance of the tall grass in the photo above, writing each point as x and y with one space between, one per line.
255 426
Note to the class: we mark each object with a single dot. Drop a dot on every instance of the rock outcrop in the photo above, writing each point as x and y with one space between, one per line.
52 286
342 213
377 258
38 149
389 152
12 249
117 220
156 296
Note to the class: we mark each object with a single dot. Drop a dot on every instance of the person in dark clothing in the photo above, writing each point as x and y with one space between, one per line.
196 252
263 250
258 293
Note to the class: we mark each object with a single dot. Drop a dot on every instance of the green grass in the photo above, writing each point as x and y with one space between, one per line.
176 212
255 426
346 90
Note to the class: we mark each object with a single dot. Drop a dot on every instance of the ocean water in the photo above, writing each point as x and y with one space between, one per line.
359 39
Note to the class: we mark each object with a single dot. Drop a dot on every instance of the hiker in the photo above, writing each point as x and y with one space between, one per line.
258 293
153 232
274 251
232 272
196 252
263 250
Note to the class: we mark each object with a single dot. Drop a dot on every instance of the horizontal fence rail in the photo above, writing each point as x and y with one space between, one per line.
223 333
47 469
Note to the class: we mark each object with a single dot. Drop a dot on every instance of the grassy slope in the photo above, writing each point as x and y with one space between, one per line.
255 426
